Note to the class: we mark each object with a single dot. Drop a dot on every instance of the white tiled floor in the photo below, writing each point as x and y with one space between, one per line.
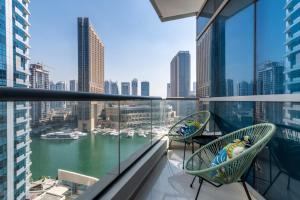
168 181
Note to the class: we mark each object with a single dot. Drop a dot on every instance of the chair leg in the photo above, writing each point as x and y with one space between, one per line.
200 184
193 147
191 185
289 181
183 155
270 164
170 143
246 190
277 175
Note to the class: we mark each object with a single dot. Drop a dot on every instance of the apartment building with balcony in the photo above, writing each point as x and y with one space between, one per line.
14 70
39 79
292 60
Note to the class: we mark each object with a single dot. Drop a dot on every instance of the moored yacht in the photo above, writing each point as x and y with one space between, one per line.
60 136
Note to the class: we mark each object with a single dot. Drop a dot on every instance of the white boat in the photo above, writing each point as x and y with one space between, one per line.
105 131
142 134
114 133
60 136
130 133
79 133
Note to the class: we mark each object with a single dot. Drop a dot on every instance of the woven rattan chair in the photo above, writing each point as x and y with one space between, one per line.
230 171
201 117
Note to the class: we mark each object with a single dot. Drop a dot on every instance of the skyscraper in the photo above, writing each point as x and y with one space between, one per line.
14 120
134 87
61 86
114 88
194 86
90 71
243 88
292 59
107 87
145 88
39 79
168 89
73 85
90 58
52 85
180 69
125 88
229 87
270 78
210 70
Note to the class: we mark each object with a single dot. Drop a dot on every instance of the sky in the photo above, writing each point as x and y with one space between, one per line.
137 44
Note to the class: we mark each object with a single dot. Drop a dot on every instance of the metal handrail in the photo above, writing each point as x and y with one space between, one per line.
27 94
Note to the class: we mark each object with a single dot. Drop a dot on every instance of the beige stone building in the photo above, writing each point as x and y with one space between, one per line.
90 72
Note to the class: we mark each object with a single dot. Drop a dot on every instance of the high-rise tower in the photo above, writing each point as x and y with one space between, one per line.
14 116
292 59
180 75
134 87
90 71
39 79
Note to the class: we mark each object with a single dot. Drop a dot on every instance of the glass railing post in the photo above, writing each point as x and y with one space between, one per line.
151 133
119 139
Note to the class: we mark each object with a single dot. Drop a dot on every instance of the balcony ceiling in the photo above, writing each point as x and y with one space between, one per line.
176 9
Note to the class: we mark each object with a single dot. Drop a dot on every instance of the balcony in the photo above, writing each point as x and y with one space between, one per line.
168 181
20 52
291 70
20 158
24 6
290 3
293 27
23 17
22 28
20 171
20 145
20 133
294 14
21 196
127 145
22 82
24 41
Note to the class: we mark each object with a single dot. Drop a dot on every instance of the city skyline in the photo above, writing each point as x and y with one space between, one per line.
59 53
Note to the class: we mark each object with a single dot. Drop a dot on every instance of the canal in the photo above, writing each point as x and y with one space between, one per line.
91 155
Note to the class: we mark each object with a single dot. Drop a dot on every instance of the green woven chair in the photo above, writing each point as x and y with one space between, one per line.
202 117
230 171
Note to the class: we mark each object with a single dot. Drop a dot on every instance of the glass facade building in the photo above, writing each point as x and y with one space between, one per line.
248 50
14 119
114 87
107 87
125 88
180 74
145 88
134 87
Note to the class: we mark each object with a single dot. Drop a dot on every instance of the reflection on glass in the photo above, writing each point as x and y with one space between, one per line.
162 117
225 53
206 14
277 175
135 130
